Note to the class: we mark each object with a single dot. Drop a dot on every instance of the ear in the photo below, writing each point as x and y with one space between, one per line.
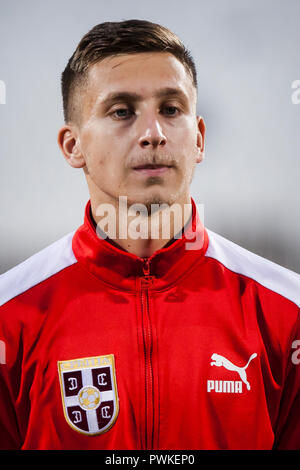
69 143
200 138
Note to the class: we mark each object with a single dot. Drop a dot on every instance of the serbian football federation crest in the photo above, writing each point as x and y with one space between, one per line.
89 393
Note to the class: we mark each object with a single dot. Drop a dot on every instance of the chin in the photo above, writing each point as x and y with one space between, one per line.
148 200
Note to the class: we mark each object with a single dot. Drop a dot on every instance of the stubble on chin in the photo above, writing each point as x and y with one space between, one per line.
152 202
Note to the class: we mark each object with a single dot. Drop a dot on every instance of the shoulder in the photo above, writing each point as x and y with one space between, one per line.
37 268
265 272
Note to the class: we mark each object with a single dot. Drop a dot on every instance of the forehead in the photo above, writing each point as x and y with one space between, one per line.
143 73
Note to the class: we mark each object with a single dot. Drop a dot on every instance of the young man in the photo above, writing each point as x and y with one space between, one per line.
177 340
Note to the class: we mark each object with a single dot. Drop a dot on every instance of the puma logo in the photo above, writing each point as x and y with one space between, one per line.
221 361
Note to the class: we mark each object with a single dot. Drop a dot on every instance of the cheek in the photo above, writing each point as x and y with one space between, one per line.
101 148
95 153
185 137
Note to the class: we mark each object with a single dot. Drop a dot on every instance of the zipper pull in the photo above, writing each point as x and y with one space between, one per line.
147 278
146 267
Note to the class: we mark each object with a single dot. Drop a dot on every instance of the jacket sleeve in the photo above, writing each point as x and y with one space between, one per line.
287 435
9 430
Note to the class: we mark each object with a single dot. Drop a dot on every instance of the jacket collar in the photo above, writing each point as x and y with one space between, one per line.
123 270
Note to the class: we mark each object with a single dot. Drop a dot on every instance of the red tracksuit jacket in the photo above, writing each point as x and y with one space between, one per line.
188 349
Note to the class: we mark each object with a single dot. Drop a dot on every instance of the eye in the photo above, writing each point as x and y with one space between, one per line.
171 110
122 113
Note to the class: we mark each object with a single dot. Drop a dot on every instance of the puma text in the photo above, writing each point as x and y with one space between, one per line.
225 386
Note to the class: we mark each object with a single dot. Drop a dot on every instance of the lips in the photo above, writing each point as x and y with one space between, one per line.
152 169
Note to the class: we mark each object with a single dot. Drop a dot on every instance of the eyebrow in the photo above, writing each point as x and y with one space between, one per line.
132 97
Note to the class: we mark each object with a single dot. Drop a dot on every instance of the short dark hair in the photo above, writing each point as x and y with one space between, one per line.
116 38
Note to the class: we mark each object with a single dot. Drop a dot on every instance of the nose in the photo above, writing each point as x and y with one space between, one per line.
152 134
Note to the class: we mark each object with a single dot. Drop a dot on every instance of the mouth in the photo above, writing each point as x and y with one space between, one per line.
152 169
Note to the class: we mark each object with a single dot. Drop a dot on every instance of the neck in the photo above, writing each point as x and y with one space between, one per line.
141 232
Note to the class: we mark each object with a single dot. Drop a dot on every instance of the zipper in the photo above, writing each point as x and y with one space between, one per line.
146 281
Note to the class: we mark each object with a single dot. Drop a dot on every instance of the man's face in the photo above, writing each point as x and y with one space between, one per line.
140 136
